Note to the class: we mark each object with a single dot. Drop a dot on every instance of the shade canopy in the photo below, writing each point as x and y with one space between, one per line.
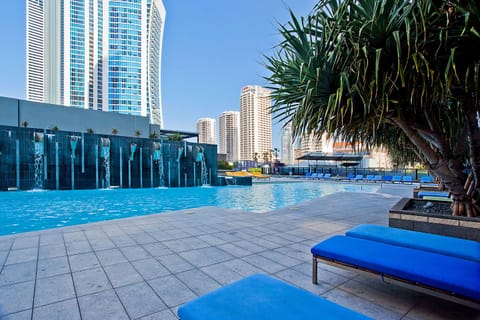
344 157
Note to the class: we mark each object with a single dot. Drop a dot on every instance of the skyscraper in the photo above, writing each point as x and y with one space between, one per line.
206 130
96 54
255 122
287 145
229 135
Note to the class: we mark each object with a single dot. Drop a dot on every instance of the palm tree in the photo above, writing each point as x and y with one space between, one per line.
396 73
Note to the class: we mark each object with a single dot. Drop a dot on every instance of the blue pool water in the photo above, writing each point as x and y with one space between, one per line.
29 211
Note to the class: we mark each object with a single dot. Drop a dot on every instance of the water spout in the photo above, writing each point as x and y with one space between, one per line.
158 158
73 144
105 142
38 159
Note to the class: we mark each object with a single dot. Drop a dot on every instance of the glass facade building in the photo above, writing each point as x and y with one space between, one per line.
96 54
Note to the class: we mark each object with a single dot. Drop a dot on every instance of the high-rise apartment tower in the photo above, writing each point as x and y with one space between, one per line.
287 145
255 122
96 54
229 135
206 130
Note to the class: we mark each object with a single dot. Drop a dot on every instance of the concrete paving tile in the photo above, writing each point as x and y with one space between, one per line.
75 236
67 309
22 315
22 255
52 251
211 239
90 281
249 246
77 247
198 281
140 300
20 272
83 261
123 241
53 289
142 238
51 239
222 273
6 243
101 306
16 297
3 257
157 249
110 257
242 267
52 267
264 264
95 234
206 256
135 253
102 244
185 244
26 242
361 305
175 263
150 268
234 250
122 274
162 315
172 290
281 259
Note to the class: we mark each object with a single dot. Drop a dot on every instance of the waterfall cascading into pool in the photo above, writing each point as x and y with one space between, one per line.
200 158
38 159
179 156
105 142
158 158
133 148
73 146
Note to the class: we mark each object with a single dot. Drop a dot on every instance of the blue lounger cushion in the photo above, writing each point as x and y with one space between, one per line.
451 274
260 297
455 247
432 194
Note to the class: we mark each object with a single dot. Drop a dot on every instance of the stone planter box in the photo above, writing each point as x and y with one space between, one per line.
459 227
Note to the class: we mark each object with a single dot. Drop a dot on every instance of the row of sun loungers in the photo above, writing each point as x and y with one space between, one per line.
362 178
438 265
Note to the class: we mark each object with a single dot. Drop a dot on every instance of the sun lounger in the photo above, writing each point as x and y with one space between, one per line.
397 179
407 179
441 275
370 178
427 182
455 247
351 177
440 194
308 175
378 178
327 176
359 177
260 297
387 178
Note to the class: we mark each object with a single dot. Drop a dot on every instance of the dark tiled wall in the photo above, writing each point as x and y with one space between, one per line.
85 170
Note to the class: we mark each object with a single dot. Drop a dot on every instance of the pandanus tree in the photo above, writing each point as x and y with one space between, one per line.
395 73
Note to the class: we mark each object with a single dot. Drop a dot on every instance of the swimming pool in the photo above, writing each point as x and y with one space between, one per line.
29 211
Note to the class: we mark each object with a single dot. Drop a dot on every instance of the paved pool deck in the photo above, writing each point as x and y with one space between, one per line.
146 267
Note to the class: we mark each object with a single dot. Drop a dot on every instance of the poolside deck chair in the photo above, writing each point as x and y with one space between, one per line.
370 178
387 178
327 176
427 182
260 297
351 177
378 178
358 177
407 179
308 175
314 176
415 267
397 179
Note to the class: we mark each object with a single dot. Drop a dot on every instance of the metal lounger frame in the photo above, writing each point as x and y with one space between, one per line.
439 293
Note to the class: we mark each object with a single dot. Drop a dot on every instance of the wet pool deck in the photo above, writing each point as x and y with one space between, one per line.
146 267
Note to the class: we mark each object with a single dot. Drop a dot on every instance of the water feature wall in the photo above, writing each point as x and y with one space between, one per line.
88 161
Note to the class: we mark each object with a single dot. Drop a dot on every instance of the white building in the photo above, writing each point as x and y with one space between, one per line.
96 54
287 156
206 130
255 123
229 135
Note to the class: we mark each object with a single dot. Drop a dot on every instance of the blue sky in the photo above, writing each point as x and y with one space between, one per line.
211 49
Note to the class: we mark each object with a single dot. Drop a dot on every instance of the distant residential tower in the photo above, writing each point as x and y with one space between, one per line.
96 54
206 130
255 122
229 135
